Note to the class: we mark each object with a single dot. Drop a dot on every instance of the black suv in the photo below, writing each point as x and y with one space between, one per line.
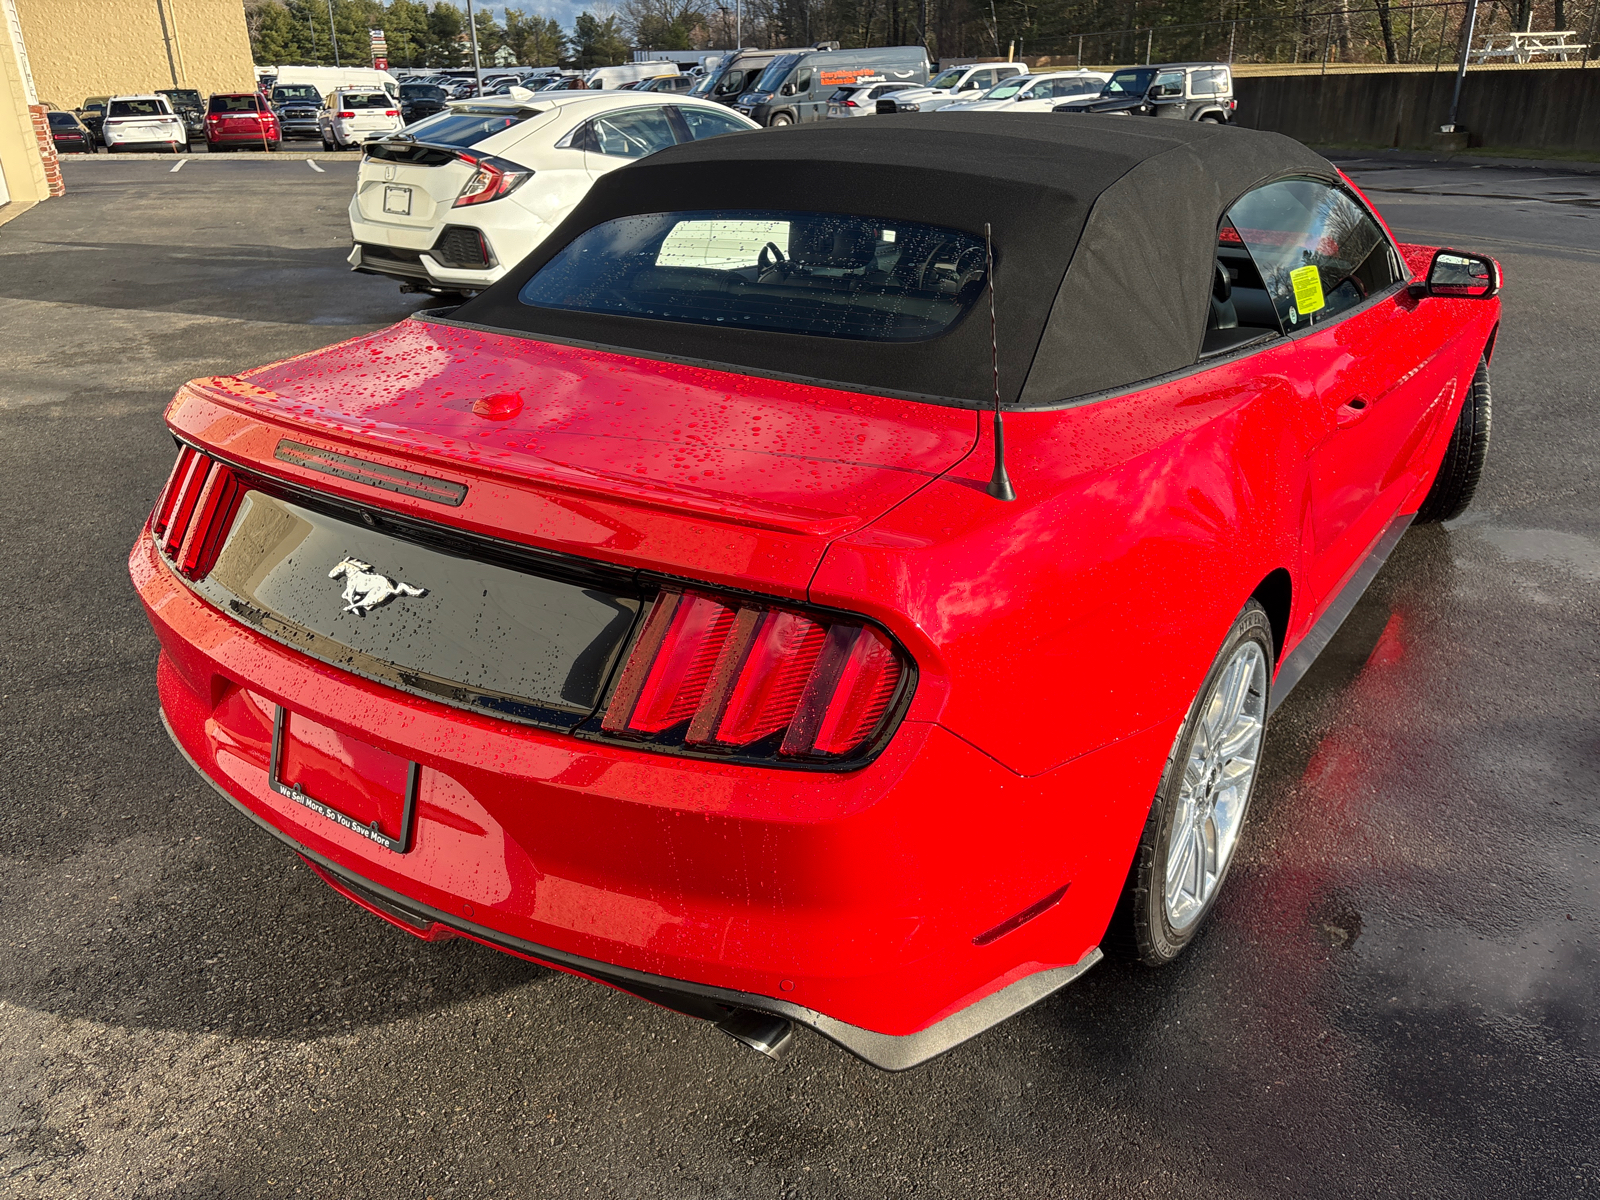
1180 91
189 105
419 100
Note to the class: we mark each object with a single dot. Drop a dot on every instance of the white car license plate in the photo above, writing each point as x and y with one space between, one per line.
397 200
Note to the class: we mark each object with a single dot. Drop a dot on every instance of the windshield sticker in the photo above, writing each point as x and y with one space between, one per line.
1307 282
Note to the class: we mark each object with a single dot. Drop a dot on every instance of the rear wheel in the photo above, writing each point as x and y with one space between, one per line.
781 119
1462 467
1199 809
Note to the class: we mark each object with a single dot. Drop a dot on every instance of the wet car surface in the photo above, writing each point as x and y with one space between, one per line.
1394 996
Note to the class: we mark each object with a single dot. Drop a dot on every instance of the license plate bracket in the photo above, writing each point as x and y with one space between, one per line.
371 831
397 200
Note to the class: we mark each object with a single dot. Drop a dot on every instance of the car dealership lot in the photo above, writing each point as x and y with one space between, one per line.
1395 996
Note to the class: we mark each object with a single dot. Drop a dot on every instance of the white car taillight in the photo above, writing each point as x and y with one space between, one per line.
494 177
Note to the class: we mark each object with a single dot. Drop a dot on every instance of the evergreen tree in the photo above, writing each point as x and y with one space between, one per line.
597 43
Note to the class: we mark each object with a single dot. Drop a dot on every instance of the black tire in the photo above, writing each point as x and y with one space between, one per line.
781 119
1462 466
1210 120
1140 928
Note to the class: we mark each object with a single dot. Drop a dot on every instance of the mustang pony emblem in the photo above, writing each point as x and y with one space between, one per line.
365 590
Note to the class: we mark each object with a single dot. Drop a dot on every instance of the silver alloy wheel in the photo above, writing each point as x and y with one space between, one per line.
1216 785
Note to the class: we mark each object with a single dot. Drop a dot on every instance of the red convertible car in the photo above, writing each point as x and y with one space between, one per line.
672 614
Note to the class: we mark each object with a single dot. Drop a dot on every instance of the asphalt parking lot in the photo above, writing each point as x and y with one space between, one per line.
1395 997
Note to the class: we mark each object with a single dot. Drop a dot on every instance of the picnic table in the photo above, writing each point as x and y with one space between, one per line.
1521 47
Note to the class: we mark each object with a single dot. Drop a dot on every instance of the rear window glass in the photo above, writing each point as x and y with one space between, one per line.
421 91
61 120
366 100
138 108
233 104
467 124
792 272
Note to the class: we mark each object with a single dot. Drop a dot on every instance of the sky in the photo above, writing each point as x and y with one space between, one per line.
565 12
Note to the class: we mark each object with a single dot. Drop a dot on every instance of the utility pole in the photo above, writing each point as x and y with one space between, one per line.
472 34
738 24
1471 24
333 34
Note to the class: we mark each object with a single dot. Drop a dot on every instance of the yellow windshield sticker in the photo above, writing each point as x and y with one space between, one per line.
1307 283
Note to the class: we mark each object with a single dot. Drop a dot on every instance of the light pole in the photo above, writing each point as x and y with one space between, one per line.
1461 69
333 34
472 34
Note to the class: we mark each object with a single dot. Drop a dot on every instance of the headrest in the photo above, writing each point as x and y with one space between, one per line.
832 243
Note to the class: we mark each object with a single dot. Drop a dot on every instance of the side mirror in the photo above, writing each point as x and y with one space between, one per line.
786 90
1460 276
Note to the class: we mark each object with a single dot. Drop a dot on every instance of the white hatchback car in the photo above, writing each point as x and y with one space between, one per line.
142 123
352 116
1034 93
459 198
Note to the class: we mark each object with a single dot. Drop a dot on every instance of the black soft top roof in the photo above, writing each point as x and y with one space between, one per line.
1104 235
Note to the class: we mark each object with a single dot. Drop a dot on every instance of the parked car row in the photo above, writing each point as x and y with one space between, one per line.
442 207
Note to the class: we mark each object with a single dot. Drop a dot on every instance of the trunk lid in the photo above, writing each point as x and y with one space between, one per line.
715 475
434 182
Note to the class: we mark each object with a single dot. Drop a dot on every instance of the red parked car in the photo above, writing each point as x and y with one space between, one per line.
235 119
663 614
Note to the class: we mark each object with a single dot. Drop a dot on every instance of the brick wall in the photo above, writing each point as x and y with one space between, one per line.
47 150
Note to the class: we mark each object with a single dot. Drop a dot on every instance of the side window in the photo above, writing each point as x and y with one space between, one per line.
703 123
1169 83
1040 91
631 133
802 82
1207 82
974 82
1315 250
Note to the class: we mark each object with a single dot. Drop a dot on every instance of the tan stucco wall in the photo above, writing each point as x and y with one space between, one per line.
81 48
19 151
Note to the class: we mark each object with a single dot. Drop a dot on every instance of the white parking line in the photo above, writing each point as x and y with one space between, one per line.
312 163
179 166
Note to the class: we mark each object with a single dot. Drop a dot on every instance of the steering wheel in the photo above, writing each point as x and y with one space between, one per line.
771 258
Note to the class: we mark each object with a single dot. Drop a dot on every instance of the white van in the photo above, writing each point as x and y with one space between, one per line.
326 79
613 77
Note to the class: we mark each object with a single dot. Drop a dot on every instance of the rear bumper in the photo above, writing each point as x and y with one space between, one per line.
416 266
848 902
243 139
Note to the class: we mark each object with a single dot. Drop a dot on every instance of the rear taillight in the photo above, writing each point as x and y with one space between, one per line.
346 116
849 104
195 512
494 177
722 674
391 112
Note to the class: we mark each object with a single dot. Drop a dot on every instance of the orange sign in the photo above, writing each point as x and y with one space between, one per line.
835 78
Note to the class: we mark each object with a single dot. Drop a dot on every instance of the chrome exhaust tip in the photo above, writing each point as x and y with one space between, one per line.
772 1036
